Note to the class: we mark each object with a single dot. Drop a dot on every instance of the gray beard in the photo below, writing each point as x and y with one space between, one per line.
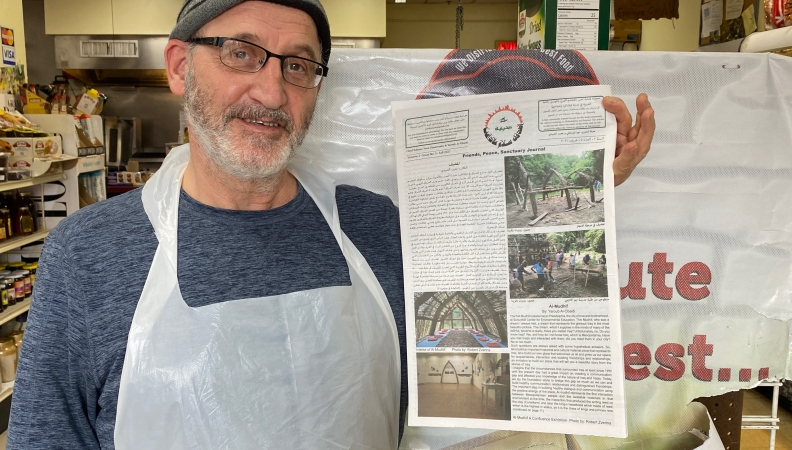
242 160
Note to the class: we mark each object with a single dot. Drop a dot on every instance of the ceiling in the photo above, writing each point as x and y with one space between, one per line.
455 2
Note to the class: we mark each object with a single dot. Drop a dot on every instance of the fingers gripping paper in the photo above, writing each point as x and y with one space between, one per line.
704 231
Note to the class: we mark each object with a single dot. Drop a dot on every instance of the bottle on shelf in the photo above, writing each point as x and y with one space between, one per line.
24 221
25 199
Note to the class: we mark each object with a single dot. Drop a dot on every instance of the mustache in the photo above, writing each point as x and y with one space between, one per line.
258 112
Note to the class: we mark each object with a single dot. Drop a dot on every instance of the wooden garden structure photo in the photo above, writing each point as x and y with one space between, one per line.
525 192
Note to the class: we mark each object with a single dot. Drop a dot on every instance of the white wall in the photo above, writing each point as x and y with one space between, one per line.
358 18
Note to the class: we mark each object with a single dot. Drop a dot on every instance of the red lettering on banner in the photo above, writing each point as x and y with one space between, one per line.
670 357
671 365
659 267
724 374
690 274
636 354
699 349
634 288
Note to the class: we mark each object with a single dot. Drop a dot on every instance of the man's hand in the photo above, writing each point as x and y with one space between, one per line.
632 141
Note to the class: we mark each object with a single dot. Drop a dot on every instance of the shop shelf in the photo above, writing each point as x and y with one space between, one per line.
17 242
13 311
6 390
11 185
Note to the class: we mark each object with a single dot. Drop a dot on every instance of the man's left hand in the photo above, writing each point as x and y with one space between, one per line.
632 141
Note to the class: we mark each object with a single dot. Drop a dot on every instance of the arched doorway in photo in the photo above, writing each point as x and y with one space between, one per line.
449 374
471 319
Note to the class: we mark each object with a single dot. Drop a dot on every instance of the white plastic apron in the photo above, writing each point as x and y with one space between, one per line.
318 369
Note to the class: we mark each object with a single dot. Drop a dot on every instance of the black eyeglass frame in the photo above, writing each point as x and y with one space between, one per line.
219 41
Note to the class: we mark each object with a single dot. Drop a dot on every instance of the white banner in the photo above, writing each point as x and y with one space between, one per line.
704 226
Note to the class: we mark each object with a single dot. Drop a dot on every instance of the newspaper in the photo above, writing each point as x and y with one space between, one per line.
508 228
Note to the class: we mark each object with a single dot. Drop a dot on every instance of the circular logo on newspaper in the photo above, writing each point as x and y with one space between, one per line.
503 127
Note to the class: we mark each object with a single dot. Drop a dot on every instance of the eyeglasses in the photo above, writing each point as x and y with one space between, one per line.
249 57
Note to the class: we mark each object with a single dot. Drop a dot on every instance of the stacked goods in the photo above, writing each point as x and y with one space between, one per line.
20 143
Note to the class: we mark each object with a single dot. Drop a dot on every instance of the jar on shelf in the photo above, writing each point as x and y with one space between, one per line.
10 291
8 202
32 269
17 336
8 360
5 221
23 221
24 199
14 266
26 278
3 296
19 287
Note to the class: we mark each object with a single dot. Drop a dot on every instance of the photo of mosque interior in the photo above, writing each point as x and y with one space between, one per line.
464 385
472 319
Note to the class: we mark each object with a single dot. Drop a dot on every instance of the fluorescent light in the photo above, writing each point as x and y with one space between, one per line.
401 1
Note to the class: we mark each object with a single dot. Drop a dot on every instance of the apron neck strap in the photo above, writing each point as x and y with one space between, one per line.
161 196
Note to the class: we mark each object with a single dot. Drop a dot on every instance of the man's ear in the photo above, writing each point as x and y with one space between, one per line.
176 65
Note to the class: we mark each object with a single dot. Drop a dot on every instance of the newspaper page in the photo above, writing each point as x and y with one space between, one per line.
507 222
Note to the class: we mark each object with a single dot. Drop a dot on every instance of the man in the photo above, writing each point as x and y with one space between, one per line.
254 353
539 269
521 271
549 271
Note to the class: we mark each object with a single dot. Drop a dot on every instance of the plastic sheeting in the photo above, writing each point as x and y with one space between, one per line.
704 224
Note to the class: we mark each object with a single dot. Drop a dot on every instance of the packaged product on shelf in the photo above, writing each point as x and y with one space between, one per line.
32 103
10 290
3 296
24 199
18 174
24 221
778 13
5 218
90 102
19 287
91 188
21 151
26 278
32 268
45 98
8 359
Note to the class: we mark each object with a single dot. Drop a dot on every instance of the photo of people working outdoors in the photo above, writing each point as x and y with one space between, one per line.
550 189
464 385
472 319
567 264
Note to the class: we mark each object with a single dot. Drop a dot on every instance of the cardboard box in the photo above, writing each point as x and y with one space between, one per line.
33 104
626 30
23 150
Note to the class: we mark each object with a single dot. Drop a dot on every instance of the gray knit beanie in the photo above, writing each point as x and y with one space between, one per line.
197 13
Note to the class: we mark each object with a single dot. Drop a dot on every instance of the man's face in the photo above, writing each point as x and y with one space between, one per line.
250 124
